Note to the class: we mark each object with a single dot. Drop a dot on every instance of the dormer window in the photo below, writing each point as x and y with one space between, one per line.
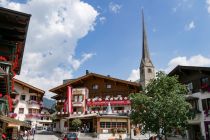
95 86
109 86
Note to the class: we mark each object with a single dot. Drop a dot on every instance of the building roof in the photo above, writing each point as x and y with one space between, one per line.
145 60
185 69
13 32
29 86
55 90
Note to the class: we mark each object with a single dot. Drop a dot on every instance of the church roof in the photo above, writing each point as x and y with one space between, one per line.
145 60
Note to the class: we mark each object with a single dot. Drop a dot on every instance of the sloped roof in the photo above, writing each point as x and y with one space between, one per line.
13 30
95 75
180 69
29 86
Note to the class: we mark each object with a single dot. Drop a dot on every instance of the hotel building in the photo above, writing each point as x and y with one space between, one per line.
101 102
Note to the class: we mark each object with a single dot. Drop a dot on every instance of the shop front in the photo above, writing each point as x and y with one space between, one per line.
113 127
11 127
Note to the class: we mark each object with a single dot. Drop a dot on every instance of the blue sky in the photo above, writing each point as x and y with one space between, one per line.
67 37
117 42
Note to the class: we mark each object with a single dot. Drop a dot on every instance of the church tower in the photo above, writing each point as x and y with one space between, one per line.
147 69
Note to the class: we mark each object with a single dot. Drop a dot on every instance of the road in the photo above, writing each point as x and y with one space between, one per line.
45 135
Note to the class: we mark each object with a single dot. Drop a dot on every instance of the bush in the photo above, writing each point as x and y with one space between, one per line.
76 123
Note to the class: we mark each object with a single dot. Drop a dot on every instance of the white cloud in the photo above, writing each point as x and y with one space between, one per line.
102 20
190 26
75 63
52 39
208 5
197 60
114 7
183 5
134 75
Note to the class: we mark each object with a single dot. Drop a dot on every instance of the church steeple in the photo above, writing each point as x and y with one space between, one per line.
145 51
147 70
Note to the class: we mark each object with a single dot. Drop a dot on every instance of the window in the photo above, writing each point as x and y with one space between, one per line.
204 80
80 98
33 97
108 125
102 124
206 104
119 108
108 86
95 86
75 99
114 124
30 111
149 70
23 97
21 110
124 124
119 124
190 86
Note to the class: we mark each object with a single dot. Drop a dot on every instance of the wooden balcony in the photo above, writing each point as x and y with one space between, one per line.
33 116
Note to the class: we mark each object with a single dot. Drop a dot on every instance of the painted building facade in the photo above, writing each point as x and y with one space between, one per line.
45 120
101 102
27 103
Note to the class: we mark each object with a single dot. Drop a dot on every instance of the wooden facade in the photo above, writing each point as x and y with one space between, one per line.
13 32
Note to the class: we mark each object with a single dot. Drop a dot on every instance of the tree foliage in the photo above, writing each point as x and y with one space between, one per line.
161 105
76 123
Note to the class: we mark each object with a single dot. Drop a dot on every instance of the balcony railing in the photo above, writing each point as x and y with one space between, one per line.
106 101
33 102
105 112
12 115
30 116
63 113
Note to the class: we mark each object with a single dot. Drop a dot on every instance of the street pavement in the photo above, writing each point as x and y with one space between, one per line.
46 135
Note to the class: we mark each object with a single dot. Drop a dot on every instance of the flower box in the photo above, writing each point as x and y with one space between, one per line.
100 111
115 98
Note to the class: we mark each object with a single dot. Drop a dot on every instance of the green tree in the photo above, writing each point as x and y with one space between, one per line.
161 106
76 123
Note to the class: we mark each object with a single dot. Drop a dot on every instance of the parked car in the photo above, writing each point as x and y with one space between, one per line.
70 136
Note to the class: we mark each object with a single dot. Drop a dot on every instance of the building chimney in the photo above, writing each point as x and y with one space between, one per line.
87 72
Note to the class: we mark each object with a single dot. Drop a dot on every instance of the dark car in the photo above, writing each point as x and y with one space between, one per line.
70 136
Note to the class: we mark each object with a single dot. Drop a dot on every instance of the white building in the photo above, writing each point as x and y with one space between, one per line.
27 103
46 119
